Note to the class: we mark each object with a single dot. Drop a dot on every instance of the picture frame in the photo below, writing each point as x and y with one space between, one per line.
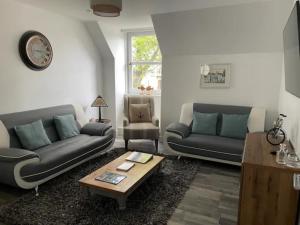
215 75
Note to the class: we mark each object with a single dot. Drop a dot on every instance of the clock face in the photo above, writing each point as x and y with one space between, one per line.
35 50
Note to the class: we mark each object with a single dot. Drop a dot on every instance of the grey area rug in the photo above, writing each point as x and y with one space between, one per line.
62 202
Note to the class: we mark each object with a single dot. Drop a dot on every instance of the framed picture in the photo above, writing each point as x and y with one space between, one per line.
215 76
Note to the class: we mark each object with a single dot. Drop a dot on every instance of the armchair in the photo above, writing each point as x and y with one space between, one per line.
139 120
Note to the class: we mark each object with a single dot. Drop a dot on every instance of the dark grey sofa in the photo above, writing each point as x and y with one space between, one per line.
28 169
179 140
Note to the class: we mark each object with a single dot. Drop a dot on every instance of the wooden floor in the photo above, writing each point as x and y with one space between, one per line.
213 195
212 198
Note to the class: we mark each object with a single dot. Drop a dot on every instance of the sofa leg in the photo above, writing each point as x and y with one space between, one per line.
156 145
36 191
126 144
178 157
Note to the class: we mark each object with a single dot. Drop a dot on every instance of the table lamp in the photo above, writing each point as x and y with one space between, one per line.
99 102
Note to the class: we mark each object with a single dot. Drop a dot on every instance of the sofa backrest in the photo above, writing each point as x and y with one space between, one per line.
45 114
256 122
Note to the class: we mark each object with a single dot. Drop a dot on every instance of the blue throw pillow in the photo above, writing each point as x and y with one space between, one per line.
234 125
66 126
32 136
205 123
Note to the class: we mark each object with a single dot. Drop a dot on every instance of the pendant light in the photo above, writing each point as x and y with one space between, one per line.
106 8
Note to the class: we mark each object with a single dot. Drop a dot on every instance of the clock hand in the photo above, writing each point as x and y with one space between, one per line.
39 51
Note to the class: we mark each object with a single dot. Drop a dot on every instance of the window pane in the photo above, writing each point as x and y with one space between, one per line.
145 48
146 75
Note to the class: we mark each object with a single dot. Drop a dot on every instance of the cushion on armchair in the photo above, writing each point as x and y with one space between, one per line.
139 113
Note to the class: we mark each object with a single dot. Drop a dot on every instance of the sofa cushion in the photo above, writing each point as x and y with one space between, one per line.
227 109
234 125
139 113
205 123
209 146
66 126
32 135
63 154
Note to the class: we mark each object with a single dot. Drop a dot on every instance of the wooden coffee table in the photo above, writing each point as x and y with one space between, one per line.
135 177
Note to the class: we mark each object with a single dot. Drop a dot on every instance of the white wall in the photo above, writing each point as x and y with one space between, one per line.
75 75
116 41
108 60
244 28
255 81
249 36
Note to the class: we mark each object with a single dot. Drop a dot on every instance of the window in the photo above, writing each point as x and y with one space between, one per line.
144 62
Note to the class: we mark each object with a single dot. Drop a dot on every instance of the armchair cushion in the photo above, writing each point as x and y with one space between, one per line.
179 128
16 155
95 129
139 113
141 131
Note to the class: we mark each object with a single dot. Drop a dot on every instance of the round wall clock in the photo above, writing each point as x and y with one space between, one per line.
35 50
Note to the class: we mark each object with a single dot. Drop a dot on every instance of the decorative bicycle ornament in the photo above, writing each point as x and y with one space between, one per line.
276 135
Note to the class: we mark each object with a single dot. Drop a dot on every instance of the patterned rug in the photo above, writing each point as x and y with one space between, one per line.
62 202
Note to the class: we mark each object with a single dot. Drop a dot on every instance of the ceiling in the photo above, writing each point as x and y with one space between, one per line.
135 13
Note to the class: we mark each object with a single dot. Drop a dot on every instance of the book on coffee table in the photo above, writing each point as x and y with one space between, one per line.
125 166
112 178
139 157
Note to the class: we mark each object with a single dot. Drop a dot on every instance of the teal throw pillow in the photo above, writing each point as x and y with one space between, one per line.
234 125
66 126
32 136
205 123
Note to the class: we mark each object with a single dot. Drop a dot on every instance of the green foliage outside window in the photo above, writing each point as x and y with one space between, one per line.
145 49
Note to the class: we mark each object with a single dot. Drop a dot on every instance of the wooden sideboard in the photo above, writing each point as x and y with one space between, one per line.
267 195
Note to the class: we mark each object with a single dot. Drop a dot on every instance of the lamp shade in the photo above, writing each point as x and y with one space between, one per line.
99 102
106 8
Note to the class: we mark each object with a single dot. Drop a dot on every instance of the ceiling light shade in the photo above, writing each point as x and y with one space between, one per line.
106 8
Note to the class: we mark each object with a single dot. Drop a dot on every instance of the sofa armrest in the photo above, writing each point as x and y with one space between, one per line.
95 129
11 162
179 129
155 121
16 155
125 121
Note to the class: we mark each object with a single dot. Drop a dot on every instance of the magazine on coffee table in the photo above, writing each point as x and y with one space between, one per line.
125 166
139 157
112 178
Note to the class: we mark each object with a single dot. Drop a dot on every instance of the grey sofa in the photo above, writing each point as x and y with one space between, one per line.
28 169
179 140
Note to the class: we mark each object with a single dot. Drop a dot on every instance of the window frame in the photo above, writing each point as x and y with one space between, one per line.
130 63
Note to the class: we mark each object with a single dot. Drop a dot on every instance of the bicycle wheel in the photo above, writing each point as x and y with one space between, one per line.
275 136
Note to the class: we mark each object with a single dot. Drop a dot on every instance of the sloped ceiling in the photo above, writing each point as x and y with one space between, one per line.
244 28
135 13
